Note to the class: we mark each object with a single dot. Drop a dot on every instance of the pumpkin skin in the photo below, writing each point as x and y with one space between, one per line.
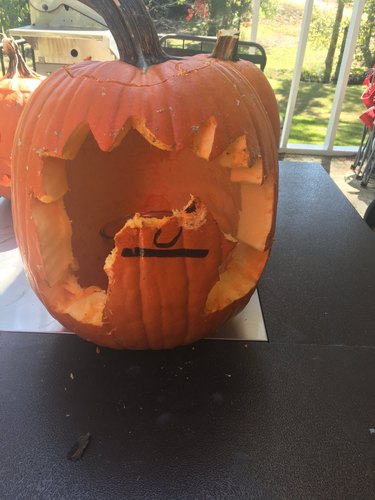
15 89
144 202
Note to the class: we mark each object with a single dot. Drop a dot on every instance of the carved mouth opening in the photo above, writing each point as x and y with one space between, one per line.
92 197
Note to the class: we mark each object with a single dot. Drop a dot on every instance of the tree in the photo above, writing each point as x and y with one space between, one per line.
226 13
222 14
339 61
324 21
167 14
333 41
366 39
14 13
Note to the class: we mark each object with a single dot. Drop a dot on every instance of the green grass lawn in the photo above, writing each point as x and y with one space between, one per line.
279 36
312 112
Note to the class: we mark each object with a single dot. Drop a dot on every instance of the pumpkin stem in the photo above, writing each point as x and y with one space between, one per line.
11 52
226 47
133 30
17 65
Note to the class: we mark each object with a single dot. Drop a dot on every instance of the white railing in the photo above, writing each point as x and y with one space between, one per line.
328 148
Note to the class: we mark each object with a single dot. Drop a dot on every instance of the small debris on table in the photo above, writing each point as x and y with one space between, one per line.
79 447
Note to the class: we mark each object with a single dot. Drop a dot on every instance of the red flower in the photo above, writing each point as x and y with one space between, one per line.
199 9
190 15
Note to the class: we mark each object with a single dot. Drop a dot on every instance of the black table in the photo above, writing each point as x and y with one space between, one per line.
291 418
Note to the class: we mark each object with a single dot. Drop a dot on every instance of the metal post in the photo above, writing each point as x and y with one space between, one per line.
254 20
342 80
307 14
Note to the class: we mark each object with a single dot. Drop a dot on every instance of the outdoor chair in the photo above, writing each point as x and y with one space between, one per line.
190 45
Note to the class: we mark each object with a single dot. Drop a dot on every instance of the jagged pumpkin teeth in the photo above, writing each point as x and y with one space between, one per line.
75 141
204 138
251 175
236 155
140 125
145 216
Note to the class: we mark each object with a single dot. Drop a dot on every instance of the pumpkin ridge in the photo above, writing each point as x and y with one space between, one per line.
257 98
259 107
255 107
208 89
264 90
74 102
246 92
178 137
250 132
181 72
29 120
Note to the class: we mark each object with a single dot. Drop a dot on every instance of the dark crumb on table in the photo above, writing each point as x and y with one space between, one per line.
79 447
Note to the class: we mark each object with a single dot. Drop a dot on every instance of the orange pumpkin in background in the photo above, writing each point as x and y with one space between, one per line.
15 89
145 189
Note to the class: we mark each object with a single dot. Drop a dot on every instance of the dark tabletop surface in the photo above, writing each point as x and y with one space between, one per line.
291 418
319 284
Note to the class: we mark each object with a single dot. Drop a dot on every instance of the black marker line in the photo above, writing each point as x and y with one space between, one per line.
151 252
169 244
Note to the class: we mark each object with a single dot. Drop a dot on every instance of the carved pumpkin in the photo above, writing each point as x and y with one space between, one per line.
15 89
145 188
